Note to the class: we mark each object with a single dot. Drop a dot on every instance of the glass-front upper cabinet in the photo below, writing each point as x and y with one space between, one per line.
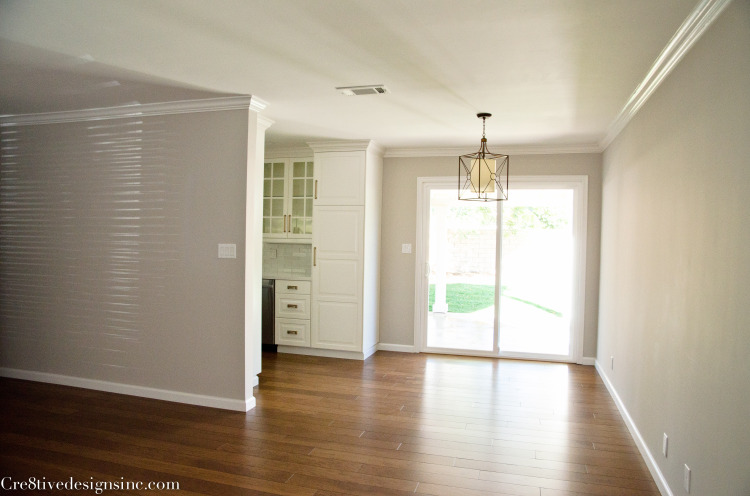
287 198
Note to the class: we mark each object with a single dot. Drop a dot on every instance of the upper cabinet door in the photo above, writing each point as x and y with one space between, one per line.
274 198
340 178
301 198
288 198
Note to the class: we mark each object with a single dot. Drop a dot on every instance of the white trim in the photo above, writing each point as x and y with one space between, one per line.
320 352
131 390
590 361
661 481
243 102
346 146
400 348
289 152
579 185
704 14
264 122
508 150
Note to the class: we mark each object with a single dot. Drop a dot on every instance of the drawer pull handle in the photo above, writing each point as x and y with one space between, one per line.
291 287
316 190
291 306
293 333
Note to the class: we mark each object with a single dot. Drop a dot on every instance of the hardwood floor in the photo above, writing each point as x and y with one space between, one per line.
395 424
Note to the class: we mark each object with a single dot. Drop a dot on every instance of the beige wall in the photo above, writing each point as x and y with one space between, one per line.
675 276
400 225
109 268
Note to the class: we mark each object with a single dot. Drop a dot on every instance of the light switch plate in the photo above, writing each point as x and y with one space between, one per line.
227 250
406 248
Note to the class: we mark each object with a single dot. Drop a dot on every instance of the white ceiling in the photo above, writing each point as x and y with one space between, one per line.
552 72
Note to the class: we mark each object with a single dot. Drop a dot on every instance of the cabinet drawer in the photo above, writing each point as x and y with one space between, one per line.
292 287
293 306
293 332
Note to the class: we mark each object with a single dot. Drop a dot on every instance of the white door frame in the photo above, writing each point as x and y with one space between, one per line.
579 185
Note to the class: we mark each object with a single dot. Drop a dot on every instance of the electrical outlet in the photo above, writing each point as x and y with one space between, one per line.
686 479
665 445
612 362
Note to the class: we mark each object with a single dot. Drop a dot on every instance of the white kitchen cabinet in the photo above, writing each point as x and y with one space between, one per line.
341 179
346 248
288 191
337 278
292 323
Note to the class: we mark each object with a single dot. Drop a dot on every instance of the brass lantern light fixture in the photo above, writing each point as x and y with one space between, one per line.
483 176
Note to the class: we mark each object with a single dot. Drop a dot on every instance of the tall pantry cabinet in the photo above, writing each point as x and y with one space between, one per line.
346 247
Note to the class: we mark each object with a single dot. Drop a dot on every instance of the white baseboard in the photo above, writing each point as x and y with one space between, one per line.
587 361
300 350
401 348
661 482
131 390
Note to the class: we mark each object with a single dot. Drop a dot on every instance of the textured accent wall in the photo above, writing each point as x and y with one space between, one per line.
108 250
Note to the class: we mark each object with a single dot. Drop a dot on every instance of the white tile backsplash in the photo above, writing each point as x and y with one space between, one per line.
286 260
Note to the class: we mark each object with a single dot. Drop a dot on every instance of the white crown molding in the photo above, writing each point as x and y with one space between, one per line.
288 152
346 146
243 102
507 150
704 14
264 122
257 104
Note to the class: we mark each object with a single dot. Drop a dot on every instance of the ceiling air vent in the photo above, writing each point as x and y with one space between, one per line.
372 89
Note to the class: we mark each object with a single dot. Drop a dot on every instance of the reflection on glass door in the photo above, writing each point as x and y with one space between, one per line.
461 273
536 268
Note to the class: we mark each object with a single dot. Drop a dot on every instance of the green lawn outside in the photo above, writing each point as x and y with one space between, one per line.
467 298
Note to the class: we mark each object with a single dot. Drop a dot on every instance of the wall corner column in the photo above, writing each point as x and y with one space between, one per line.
257 125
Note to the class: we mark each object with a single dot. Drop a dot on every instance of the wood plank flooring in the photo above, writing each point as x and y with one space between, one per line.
395 424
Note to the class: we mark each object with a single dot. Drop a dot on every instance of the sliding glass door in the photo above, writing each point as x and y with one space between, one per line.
461 273
502 278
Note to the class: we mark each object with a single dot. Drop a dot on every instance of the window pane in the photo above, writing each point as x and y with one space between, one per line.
298 208
299 169
298 188
278 187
